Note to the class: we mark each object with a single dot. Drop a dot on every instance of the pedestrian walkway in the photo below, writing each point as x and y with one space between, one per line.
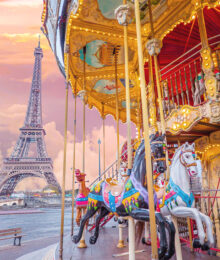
42 254
10 252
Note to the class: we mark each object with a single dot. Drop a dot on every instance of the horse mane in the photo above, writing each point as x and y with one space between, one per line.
177 153
139 165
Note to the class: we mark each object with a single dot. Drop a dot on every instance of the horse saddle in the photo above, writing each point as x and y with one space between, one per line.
114 187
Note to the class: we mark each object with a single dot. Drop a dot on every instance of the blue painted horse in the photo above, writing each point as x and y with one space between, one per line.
131 199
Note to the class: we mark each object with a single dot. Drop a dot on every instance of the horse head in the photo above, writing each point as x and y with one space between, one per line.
188 160
79 175
158 150
158 153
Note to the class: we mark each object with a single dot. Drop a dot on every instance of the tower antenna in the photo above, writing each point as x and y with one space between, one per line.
38 40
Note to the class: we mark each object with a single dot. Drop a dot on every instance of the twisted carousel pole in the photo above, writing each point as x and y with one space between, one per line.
153 46
84 106
103 136
117 105
74 162
123 15
64 156
82 243
120 241
153 227
208 64
131 227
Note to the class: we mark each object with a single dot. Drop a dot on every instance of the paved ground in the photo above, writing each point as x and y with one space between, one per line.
106 247
14 252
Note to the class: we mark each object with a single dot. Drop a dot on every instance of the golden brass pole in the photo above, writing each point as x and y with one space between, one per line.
64 161
157 72
131 226
153 227
139 118
103 129
207 56
128 105
74 164
202 28
82 243
117 107
84 107
151 95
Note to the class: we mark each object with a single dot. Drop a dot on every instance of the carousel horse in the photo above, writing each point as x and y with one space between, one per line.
178 199
82 196
132 198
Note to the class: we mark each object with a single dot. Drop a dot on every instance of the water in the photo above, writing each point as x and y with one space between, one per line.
37 225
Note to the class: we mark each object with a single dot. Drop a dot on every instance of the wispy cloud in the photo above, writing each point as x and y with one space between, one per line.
24 37
16 3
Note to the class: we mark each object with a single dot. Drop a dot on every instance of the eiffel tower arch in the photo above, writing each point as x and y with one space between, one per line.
29 157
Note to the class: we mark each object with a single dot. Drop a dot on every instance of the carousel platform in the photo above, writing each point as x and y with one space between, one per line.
106 248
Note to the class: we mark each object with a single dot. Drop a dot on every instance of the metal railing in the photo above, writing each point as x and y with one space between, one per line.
183 79
112 170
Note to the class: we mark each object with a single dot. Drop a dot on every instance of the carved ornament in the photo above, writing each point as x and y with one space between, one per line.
154 46
182 119
186 117
124 14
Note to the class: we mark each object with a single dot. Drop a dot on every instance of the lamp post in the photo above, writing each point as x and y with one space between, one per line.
99 142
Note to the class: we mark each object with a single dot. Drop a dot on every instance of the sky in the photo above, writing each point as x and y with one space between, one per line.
20 23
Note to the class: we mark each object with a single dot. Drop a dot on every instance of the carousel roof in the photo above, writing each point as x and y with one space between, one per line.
92 23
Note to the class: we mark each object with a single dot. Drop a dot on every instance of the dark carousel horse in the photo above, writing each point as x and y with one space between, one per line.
132 198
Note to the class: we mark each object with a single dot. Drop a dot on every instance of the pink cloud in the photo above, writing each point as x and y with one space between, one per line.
91 155
12 118
31 184
1 158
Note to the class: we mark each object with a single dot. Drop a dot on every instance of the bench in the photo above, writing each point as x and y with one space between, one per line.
14 233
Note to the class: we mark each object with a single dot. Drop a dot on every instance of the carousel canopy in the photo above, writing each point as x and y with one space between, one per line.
92 23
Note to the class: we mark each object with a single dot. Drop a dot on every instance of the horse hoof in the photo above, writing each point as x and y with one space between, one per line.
92 240
146 241
162 252
169 254
75 239
205 246
196 243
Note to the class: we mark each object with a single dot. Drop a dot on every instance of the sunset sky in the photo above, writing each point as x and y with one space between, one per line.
20 23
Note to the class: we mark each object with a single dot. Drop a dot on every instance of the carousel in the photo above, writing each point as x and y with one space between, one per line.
154 64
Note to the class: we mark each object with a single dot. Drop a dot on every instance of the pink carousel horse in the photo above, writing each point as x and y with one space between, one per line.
82 196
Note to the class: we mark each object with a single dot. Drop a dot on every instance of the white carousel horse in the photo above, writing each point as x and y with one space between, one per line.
178 199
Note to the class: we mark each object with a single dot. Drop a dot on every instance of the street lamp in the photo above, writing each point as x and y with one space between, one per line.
99 142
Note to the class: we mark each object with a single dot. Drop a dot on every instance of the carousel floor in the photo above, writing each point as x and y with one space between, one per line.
106 248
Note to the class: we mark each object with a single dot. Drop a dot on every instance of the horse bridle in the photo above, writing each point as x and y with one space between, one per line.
183 162
158 159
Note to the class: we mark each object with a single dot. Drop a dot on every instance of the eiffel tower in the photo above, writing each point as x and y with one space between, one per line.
29 157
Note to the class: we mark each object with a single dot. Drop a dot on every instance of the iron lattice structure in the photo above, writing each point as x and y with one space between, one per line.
29 157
